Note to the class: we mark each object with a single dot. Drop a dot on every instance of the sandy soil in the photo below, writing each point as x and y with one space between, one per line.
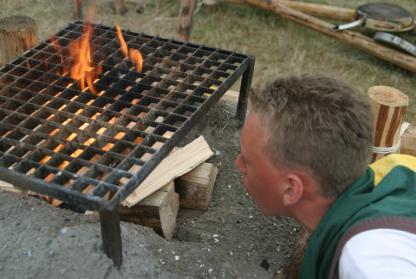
230 240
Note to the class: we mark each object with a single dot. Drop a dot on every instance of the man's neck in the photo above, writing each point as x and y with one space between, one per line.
311 212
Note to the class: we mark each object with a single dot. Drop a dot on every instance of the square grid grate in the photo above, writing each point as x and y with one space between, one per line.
93 149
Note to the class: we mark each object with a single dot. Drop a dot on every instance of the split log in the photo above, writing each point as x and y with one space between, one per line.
77 9
157 211
389 106
231 97
408 142
195 188
351 38
4 186
17 34
173 166
184 27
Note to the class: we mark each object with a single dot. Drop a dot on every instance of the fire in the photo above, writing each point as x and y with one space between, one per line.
80 56
134 54
83 69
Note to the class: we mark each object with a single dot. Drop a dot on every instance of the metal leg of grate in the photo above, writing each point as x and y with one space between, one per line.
245 90
111 234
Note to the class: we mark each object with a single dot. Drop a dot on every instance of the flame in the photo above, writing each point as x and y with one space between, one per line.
80 52
134 54
122 41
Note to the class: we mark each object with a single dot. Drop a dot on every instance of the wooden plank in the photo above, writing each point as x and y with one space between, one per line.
175 165
158 211
195 188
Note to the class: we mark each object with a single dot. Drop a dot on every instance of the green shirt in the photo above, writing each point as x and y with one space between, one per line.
395 195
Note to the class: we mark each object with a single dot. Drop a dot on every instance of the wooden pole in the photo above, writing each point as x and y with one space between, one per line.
389 106
351 38
120 7
319 10
183 30
17 34
77 9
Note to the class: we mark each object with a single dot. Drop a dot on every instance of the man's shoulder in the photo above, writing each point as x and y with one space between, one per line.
379 253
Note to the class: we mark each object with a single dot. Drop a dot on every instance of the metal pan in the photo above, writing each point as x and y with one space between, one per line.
381 17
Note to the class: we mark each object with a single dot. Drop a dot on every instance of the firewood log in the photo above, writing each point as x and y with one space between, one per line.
389 106
17 34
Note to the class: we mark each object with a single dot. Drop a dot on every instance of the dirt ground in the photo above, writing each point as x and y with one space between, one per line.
230 240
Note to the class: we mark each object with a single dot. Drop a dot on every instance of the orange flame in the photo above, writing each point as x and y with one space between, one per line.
83 69
134 54
122 41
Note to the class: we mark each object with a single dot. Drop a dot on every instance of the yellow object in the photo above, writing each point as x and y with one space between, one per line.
383 166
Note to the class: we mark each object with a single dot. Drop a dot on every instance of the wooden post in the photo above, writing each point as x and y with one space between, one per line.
183 31
77 9
17 34
120 7
389 106
408 144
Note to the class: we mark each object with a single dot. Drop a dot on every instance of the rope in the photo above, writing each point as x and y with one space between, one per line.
392 149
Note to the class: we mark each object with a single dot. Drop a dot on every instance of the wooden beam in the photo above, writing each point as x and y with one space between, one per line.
17 34
184 27
158 211
173 166
195 188
389 106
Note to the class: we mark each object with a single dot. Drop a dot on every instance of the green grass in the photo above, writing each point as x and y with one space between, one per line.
281 47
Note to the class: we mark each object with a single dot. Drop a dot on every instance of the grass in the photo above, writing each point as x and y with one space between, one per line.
281 47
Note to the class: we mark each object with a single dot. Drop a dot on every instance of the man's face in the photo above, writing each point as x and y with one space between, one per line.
261 178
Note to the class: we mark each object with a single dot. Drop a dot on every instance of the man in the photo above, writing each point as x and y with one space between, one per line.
305 149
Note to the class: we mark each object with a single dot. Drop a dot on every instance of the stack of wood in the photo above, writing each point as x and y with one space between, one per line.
182 179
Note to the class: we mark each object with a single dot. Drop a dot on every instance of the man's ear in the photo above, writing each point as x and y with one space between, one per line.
293 190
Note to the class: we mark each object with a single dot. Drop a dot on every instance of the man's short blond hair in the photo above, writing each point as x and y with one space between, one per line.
319 123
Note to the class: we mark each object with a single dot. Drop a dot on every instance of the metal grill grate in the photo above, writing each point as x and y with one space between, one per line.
93 149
